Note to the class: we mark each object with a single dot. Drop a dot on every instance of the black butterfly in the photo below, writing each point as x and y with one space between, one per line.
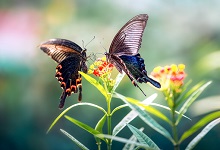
123 52
71 58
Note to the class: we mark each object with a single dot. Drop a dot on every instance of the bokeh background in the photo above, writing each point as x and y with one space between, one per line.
177 32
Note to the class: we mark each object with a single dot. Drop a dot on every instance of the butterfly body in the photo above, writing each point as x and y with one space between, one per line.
123 52
71 58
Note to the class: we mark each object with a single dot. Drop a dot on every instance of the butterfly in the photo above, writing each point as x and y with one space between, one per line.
71 58
123 51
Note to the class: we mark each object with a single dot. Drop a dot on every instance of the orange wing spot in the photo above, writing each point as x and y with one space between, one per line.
60 79
74 88
78 81
68 91
63 84
59 67
58 74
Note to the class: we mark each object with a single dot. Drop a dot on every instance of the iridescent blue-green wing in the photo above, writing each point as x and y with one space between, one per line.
135 69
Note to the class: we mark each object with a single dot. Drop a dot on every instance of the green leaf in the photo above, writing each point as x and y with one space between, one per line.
130 116
149 109
184 96
143 138
123 140
84 126
75 105
99 127
167 108
118 79
95 83
146 117
100 124
199 125
152 110
194 142
118 108
74 140
129 146
190 100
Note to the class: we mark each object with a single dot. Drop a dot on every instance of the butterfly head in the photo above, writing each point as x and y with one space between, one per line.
107 56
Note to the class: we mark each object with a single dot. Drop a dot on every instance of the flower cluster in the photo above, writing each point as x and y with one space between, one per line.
170 77
102 69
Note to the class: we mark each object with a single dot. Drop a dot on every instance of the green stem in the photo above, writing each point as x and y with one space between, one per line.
174 129
109 122
99 146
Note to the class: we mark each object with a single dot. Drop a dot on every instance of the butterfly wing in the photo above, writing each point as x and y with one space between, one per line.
123 52
135 69
128 39
69 78
59 49
71 59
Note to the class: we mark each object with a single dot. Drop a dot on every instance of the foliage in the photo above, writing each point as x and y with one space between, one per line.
179 98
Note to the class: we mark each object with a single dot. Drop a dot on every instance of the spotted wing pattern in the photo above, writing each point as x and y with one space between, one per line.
71 58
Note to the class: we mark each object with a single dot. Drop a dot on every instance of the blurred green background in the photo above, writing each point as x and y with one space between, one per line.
177 32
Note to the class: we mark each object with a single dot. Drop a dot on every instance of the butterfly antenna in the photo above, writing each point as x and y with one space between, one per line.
83 44
90 41
103 47
92 56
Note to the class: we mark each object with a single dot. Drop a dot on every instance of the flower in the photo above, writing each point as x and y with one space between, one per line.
101 67
170 77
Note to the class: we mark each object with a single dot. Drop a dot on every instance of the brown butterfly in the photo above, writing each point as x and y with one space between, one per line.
71 58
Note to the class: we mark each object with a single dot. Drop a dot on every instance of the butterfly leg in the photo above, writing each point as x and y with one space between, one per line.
136 85
80 93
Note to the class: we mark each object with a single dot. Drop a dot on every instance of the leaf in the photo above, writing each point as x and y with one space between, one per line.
99 127
183 97
84 126
130 116
146 118
151 110
199 125
190 100
95 83
183 94
100 124
123 140
74 140
167 108
143 138
75 105
118 108
129 146
194 142
118 79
